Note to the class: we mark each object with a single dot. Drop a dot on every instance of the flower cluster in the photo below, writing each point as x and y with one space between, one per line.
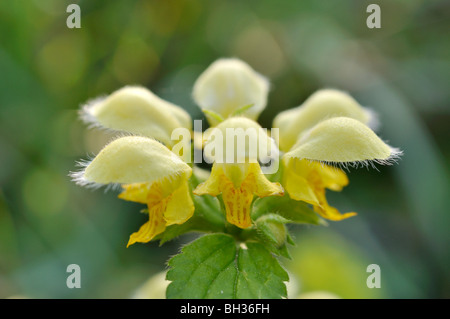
311 143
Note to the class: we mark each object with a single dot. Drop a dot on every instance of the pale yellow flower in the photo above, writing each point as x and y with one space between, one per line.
307 181
150 174
241 178
239 139
341 141
238 184
322 105
137 110
227 86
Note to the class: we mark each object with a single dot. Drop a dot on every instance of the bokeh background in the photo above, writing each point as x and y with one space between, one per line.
402 71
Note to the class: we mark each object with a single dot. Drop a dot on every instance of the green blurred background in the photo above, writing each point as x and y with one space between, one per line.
402 71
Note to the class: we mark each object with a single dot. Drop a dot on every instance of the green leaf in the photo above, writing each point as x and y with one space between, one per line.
281 251
213 115
241 110
290 240
204 269
259 274
292 210
213 267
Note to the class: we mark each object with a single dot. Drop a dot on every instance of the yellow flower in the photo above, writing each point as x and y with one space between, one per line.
239 139
306 181
228 85
238 183
329 127
150 174
322 105
137 110
236 173
342 141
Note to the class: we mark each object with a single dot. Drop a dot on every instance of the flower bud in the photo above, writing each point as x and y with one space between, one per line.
321 105
272 228
230 85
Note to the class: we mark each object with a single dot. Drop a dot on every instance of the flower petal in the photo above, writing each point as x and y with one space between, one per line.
327 211
321 105
344 141
212 185
155 225
238 184
239 140
330 177
180 206
138 111
133 159
306 181
228 85
136 192
237 204
299 189
262 187
238 199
